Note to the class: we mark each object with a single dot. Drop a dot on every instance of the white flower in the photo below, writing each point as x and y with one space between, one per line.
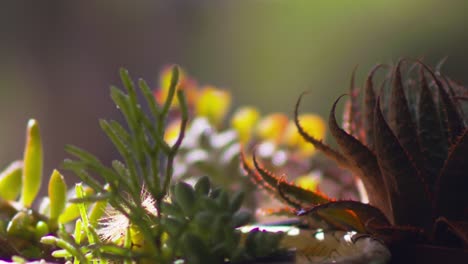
113 227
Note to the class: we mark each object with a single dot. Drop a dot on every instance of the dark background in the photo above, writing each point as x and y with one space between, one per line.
58 58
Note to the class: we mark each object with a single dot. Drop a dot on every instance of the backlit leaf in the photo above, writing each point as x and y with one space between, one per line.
350 215
325 149
430 134
10 181
364 161
452 196
289 191
409 194
33 162
400 119
57 194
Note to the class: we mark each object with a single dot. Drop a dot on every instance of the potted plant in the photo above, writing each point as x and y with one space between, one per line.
408 144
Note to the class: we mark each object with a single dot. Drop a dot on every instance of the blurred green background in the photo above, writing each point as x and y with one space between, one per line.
58 58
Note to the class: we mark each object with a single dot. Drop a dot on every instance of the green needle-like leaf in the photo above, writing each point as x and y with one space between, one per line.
146 91
80 193
172 91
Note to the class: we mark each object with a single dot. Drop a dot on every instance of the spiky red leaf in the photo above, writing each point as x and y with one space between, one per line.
255 177
452 195
364 161
450 232
369 106
294 195
325 149
430 135
453 122
400 118
367 216
354 114
408 192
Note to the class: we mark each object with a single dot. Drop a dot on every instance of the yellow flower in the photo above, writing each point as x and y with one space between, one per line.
313 124
243 121
272 127
185 83
213 104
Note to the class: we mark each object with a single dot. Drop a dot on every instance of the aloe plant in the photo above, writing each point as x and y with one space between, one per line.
408 143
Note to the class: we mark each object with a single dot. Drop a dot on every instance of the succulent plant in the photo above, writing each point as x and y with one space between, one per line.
22 223
408 143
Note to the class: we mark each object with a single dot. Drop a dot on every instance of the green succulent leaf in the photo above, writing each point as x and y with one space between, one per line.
70 213
210 204
185 197
57 194
261 243
21 225
10 181
195 249
33 163
214 193
236 201
204 219
203 185
172 209
223 199
173 226
241 218
41 229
